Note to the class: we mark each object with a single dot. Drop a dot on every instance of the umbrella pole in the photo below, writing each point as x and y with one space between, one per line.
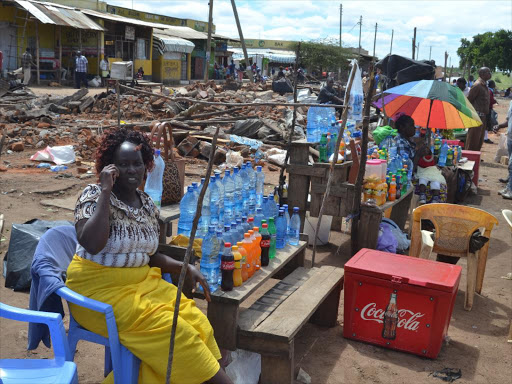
429 133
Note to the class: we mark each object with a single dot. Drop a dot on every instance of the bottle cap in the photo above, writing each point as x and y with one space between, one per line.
250 219
239 244
247 234
227 245
227 172
235 248
285 206
295 209
263 221
244 218
259 209
258 168
264 225
256 229
250 231
233 223
190 188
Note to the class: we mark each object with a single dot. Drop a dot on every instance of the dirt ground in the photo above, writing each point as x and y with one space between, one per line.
477 339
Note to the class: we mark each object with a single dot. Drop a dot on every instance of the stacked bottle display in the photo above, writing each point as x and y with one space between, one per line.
241 228
328 138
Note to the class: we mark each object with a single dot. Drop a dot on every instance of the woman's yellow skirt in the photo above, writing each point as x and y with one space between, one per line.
143 305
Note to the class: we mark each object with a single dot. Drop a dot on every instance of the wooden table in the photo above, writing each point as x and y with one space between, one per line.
223 310
168 213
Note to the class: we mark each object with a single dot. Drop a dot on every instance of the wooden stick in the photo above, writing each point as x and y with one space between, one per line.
209 114
292 128
118 94
188 253
335 159
362 164
231 104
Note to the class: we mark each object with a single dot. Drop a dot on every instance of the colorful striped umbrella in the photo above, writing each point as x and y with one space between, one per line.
431 103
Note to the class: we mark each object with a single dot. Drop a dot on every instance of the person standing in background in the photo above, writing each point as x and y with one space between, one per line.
479 97
81 70
105 70
507 192
26 63
462 84
489 118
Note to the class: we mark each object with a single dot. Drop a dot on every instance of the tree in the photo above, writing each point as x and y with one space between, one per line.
323 56
489 49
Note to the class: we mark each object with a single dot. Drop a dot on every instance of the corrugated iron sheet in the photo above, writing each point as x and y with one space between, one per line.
172 44
50 13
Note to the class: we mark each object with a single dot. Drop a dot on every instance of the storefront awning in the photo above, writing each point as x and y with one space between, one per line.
172 44
275 56
51 13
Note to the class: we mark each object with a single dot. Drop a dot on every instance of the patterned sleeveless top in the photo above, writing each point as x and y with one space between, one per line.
134 232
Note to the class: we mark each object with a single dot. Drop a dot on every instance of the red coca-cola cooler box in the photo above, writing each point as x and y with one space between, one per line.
399 302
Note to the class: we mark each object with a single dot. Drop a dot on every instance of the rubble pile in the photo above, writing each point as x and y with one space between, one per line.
30 122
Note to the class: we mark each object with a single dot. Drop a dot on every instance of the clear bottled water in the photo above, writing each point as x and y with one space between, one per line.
154 181
410 166
229 197
239 202
240 228
187 212
245 224
210 260
294 228
218 181
287 215
313 131
245 189
273 208
280 230
258 217
260 182
214 195
265 207
443 154
233 233
251 177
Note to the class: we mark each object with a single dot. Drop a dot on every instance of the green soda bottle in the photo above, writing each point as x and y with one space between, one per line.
272 230
323 149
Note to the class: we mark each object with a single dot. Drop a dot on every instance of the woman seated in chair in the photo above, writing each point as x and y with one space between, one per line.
430 180
117 263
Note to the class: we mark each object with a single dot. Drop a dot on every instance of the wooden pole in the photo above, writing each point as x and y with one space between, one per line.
60 54
37 53
244 48
209 41
292 128
118 93
414 44
362 165
445 65
99 53
360 26
335 159
418 52
188 253
391 47
375 41
187 99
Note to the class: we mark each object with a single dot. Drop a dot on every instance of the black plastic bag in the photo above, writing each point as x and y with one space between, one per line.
477 241
22 245
282 86
399 70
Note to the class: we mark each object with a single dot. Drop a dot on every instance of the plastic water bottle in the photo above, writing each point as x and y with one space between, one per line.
260 182
408 162
239 203
443 155
273 208
240 228
58 168
258 217
210 261
273 236
245 225
294 228
233 232
265 208
245 189
154 181
187 212
218 181
229 198
281 230
214 197
195 187
287 215
251 175
312 129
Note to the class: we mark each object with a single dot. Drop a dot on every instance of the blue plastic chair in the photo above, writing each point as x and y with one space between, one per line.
60 369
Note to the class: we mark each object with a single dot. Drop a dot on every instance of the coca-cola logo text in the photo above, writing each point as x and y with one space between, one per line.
406 319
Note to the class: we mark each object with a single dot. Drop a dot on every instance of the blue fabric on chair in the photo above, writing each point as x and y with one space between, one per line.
51 260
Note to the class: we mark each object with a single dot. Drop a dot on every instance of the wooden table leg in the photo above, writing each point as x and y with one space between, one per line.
399 212
368 227
163 232
277 369
224 319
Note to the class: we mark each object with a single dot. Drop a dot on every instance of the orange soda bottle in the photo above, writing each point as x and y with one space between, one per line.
237 273
392 189
243 253
252 254
257 248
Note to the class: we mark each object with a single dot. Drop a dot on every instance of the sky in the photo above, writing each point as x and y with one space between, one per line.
440 24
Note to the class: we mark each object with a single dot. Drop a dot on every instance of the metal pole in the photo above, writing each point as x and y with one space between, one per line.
445 64
414 44
209 41
391 47
430 53
360 25
418 52
37 53
60 53
246 57
341 18
375 41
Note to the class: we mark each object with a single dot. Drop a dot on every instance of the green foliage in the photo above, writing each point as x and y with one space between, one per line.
323 56
489 49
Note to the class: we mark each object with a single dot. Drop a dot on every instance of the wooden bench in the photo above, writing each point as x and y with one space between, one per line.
269 326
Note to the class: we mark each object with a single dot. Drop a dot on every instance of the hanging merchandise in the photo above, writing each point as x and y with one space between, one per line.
355 102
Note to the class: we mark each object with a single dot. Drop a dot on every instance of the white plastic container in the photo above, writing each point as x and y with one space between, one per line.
324 232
